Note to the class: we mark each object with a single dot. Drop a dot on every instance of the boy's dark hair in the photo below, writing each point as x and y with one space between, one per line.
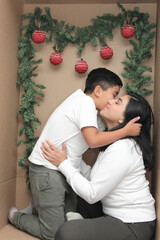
102 77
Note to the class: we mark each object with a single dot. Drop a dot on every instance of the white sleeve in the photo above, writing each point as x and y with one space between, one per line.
85 114
85 169
110 168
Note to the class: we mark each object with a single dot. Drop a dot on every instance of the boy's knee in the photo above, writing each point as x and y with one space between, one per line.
47 234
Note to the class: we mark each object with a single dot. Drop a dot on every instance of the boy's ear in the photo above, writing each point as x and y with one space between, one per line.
97 91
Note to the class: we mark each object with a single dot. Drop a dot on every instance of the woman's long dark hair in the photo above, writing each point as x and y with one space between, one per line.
138 106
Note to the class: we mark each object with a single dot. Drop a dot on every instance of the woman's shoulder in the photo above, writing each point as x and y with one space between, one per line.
125 143
125 147
121 152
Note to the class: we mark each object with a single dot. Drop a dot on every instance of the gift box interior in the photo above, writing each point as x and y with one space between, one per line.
60 81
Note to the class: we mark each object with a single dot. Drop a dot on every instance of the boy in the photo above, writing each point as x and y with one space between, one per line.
75 123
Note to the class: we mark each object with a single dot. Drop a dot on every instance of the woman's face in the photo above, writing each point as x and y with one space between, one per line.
113 112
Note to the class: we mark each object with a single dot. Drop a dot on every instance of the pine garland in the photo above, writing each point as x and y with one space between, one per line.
31 90
142 46
61 34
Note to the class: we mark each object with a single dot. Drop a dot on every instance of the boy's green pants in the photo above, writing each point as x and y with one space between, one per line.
53 198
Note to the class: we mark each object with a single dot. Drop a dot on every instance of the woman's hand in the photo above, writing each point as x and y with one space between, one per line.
53 154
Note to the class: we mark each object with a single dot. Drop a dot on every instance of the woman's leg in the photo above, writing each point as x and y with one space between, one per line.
104 228
144 231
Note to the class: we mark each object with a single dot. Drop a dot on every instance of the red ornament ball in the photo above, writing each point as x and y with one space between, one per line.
56 58
81 66
106 52
128 31
38 36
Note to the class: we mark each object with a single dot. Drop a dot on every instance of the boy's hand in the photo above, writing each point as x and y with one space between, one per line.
133 128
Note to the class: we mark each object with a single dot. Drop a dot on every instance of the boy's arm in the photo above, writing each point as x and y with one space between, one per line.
97 139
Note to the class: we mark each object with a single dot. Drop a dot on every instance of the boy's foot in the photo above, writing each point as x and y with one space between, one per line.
73 216
28 210
11 213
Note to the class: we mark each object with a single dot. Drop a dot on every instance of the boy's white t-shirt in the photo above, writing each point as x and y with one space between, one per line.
64 125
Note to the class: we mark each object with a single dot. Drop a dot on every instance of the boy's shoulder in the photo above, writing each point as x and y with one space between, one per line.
78 92
78 101
79 95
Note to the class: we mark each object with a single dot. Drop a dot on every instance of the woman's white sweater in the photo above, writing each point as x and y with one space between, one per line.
118 180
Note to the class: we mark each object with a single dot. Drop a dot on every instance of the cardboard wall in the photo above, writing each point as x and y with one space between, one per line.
156 171
10 19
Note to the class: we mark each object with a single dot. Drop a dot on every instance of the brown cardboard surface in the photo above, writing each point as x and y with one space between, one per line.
9 232
60 81
7 199
10 15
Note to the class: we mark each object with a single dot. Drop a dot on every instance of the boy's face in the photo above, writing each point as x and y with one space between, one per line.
107 95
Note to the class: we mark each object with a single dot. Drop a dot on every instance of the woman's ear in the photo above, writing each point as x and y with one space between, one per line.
97 91
121 120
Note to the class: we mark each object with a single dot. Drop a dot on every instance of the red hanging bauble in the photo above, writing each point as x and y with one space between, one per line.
38 36
56 58
81 66
106 52
128 31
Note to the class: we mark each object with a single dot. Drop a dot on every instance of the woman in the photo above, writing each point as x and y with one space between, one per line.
117 179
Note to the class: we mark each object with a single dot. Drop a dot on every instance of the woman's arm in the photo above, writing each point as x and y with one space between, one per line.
111 167
57 156
54 154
